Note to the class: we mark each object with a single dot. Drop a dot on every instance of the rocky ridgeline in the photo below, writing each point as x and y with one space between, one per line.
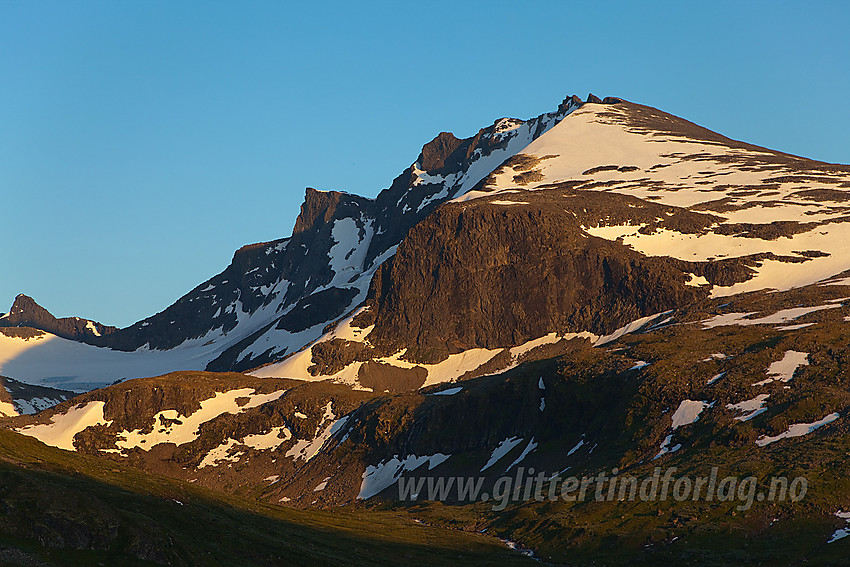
25 312
289 284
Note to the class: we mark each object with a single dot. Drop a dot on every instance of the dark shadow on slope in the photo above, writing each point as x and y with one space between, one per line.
70 509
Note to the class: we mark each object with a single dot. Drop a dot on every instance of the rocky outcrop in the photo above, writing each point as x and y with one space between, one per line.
490 276
437 152
318 208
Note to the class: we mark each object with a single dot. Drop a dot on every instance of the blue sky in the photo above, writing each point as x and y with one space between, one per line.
141 143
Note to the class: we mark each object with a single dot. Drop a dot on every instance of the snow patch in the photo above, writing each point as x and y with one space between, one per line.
447 392
307 449
841 532
753 407
259 442
778 318
783 370
666 448
501 450
8 409
63 427
635 325
532 445
688 412
715 378
35 405
377 478
797 430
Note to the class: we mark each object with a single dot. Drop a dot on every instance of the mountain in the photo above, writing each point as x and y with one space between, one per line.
275 297
603 288
606 211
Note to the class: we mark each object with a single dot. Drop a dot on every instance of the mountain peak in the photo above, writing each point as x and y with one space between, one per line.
592 98
26 306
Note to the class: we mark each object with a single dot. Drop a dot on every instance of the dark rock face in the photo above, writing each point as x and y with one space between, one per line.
386 378
592 98
493 276
317 209
25 312
25 333
436 152
316 309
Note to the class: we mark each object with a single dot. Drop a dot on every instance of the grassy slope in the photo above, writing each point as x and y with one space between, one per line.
53 501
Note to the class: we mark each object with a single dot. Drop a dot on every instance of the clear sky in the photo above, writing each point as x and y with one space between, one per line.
141 143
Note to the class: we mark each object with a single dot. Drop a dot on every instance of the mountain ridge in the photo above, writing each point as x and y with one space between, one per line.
590 179
267 282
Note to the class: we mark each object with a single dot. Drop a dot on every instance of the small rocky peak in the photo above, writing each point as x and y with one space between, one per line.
25 308
570 102
318 208
607 100
437 151
25 312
